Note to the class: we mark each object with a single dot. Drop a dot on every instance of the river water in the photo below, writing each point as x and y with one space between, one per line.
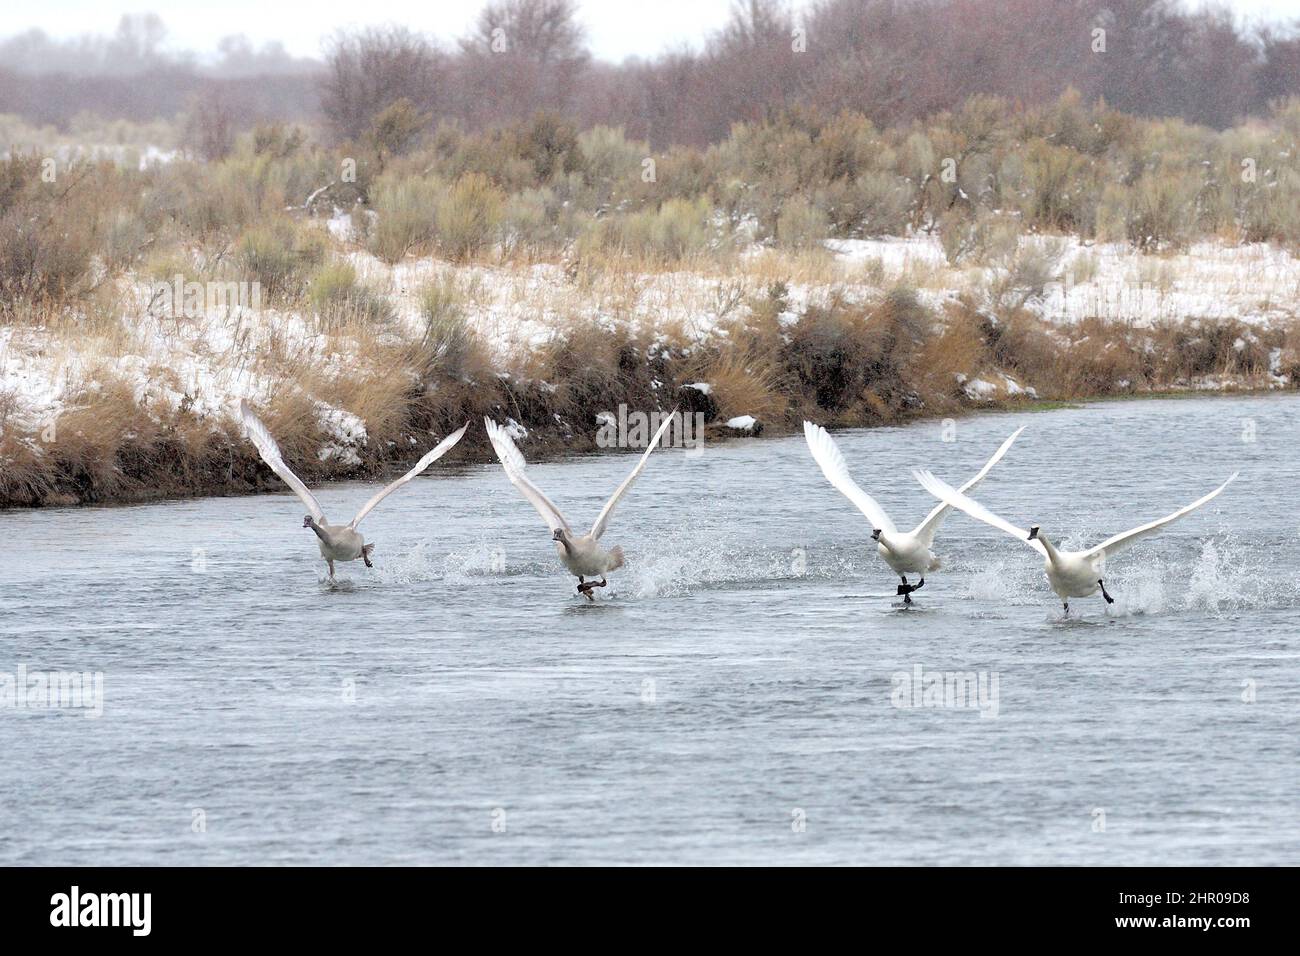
739 692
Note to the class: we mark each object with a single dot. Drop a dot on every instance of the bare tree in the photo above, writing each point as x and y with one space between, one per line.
523 56
1279 74
372 69
209 130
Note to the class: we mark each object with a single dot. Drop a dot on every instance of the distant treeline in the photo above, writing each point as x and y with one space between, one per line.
893 61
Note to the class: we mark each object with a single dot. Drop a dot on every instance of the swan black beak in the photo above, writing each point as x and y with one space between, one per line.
559 535
1033 532
875 535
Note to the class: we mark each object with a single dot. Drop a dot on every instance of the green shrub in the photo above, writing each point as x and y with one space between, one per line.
335 293
983 239
447 337
1161 209
279 255
534 220
405 216
1061 196
397 128
469 216
126 236
875 204
48 237
677 229
1271 210
611 165
801 225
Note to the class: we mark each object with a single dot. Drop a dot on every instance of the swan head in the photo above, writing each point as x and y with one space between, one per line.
875 535
1033 532
559 535
306 522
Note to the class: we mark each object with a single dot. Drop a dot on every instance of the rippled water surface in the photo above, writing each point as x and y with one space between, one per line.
731 698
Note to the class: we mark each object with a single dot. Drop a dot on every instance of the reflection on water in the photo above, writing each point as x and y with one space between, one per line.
728 699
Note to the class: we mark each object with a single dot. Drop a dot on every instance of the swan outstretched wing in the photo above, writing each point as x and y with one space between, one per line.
1118 542
827 455
602 519
442 448
925 531
512 461
270 452
946 493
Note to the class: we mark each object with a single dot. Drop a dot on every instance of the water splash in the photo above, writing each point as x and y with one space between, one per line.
994 584
1223 579
685 566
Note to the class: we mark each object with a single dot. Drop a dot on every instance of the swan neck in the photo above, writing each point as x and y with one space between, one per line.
320 532
1050 548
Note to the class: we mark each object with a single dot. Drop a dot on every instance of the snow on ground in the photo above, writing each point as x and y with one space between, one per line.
202 364
518 309
1254 282
339 225
141 157
896 255
208 363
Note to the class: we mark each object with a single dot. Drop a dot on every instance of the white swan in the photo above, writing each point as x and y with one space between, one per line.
582 555
907 552
337 542
1070 573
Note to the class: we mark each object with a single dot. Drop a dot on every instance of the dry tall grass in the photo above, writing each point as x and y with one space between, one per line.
569 281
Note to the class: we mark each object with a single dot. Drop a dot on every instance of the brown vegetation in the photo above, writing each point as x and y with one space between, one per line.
747 218
840 364
897 63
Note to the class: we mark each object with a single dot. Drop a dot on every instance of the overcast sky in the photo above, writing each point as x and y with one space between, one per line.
616 28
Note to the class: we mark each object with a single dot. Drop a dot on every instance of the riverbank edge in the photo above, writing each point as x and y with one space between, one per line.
247 475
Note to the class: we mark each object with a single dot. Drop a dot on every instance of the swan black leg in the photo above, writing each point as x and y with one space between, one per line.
906 589
1109 599
585 589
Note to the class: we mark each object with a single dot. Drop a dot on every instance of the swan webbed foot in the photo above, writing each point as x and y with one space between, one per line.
1109 599
906 589
1067 608
585 586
